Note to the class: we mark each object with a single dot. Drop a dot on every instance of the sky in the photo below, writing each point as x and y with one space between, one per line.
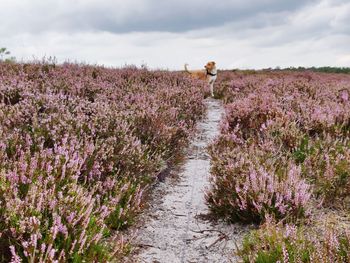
165 34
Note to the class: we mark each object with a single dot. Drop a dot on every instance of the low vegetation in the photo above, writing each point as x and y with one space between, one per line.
284 149
290 243
78 147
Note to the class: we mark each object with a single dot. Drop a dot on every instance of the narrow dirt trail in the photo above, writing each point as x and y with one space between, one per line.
174 228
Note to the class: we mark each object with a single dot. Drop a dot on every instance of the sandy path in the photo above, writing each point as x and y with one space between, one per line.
173 228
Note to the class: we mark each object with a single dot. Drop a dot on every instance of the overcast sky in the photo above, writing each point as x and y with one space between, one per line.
168 33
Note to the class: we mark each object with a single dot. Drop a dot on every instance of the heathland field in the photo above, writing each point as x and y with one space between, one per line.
282 161
78 146
81 145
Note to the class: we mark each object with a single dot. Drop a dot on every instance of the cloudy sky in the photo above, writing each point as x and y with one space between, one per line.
168 33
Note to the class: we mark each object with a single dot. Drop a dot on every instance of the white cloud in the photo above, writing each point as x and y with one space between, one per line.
306 35
344 60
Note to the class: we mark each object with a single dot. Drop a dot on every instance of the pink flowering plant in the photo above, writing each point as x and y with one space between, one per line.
78 147
275 242
326 162
284 142
250 183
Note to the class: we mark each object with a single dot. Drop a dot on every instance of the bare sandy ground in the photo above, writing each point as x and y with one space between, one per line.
174 227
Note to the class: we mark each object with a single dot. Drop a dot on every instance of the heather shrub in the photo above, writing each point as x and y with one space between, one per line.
289 243
276 123
326 163
79 145
231 85
283 153
46 214
249 184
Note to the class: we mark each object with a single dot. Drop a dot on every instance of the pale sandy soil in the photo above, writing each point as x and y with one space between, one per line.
174 227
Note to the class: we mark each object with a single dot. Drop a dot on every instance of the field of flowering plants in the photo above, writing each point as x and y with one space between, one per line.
282 160
78 146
